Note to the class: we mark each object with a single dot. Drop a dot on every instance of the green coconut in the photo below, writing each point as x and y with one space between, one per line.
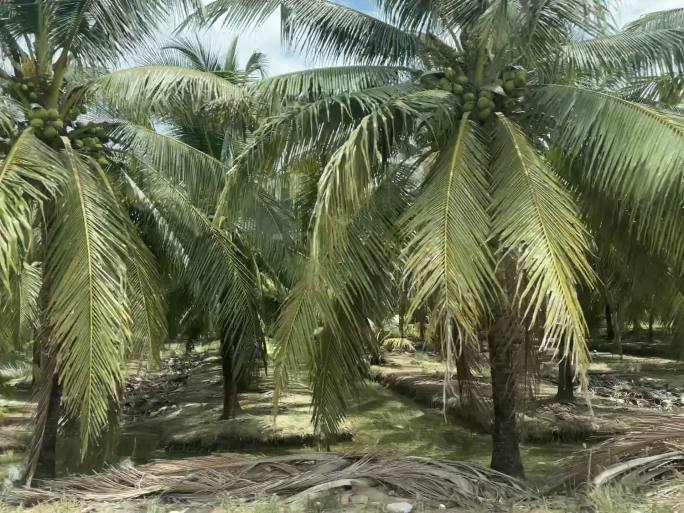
444 84
462 79
36 123
50 132
458 89
469 106
103 161
483 102
521 74
509 85
520 82
450 73
469 97
57 123
508 75
52 114
484 114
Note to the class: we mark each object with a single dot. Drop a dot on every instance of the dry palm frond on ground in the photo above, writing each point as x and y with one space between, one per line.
294 477
652 451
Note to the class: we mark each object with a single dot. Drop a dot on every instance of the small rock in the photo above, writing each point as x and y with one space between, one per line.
442 506
359 499
344 499
399 507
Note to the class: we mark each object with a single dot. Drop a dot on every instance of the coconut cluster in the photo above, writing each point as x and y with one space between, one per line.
90 139
51 124
502 95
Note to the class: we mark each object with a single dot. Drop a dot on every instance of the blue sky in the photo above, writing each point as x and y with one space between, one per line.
267 37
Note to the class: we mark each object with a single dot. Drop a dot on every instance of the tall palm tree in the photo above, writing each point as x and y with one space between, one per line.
92 198
483 104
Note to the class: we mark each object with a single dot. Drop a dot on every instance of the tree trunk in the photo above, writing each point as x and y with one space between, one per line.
47 459
35 368
231 403
610 333
566 392
505 442
566 378
650 327
617 329
189 345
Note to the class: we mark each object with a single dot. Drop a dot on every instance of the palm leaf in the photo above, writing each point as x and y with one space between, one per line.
138 92
669 19
447 258
323 29
535 220
29 173
629 148
641 52
87 309
200 174
144 292
316 83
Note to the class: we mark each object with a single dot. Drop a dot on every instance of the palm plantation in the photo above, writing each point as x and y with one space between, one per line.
506 171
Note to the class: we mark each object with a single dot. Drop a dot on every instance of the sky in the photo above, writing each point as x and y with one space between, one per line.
266 38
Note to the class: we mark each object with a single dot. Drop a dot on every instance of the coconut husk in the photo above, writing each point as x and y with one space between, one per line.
292 476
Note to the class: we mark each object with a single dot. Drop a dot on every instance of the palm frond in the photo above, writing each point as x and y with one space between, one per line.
19 312
324 29
138 92
144 293
87 308
447 258
29 174
316 83
657 20
81 26
217 265
348 176
200 174
628 52
536 221
632 149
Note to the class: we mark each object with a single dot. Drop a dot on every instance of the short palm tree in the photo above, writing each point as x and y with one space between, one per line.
93 199
504 115
262 226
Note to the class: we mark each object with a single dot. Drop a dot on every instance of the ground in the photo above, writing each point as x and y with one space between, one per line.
177 410
621 393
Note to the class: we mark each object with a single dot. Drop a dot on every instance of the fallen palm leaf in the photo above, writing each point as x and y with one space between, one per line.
294 476
652 451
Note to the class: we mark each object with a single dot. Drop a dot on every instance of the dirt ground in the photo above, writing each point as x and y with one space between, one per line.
621 394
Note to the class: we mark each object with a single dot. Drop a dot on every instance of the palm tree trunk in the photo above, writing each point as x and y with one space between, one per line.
610 333
617 330
231 403
566 375
505 441
650 327
47 458
566 392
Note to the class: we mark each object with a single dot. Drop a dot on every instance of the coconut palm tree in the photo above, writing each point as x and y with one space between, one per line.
93 198
263 227
483 104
